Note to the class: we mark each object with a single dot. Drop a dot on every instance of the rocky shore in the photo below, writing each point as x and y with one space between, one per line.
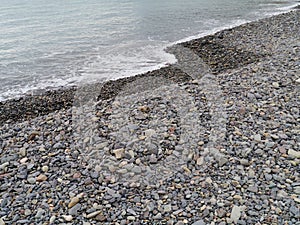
213 139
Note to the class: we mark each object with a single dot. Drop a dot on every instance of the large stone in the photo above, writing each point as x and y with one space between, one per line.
199 222
41 178
119 153
73 202
2 222
68 218
294 154
236 213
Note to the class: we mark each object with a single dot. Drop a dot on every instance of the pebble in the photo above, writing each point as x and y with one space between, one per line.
52 219
93 214
293 153
27 212
41 178
130 218
45 169
199 222
4 165
253 188
257 137
31 180
68 218
73 202
119 153
167 208
236 213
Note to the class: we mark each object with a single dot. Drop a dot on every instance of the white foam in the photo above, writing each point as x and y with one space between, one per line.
127 59
211 31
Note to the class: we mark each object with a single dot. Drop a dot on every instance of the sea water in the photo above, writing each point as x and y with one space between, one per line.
49 44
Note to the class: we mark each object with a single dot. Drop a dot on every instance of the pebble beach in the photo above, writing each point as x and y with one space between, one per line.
213 139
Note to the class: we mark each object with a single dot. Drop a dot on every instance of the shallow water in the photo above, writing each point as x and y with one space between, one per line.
46 44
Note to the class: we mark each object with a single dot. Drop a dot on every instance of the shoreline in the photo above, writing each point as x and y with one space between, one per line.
47 101
213 139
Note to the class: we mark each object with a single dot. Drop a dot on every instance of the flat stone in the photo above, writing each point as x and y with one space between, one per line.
275 84
119 153
27 212
294 154
2 221
73 202
158 216
168 208
236 213
4 165
23 152
41 178
245 162
40 212
257 137
253 188
23 160
45 169
199 222
52 219
31 180
74 210
130 218
136 169
150 133
93 214
67 218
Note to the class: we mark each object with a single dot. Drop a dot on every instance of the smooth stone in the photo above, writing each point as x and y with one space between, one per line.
158 216
4 165
168 208
45 169
150 132
31 180
297 190
253 188
27 212
199 222
2 221
245 162
130 218
119 153
295 210
93 214
39 213
136 169
236 213
275 84
23 152
23 160
68 218
73 202
153 159
74 210
180 223
293 153
52 219
257 137
41 178
268 177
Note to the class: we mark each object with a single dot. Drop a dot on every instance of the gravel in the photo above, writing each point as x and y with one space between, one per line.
212 139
